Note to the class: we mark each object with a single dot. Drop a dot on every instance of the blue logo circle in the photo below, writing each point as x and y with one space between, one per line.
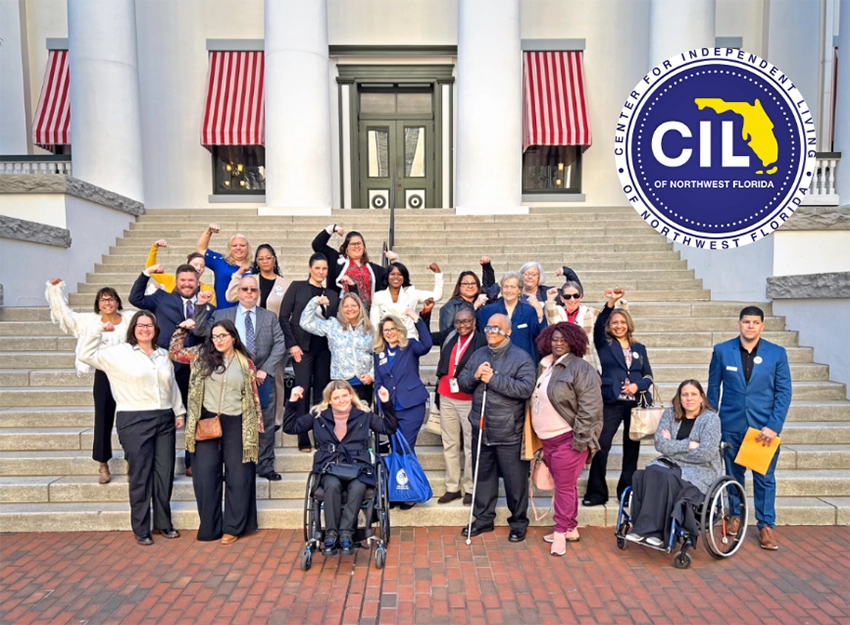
715 148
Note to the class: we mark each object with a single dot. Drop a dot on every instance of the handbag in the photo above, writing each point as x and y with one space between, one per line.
531 443
433 423
345 471
645 419
210 428
540 478
406 481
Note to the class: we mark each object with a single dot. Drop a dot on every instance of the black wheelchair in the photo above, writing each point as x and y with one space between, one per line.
712 516
373 522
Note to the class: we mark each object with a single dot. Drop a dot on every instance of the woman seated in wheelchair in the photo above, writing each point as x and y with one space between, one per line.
688 437
341 427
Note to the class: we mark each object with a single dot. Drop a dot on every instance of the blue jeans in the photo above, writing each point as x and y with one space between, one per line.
764 486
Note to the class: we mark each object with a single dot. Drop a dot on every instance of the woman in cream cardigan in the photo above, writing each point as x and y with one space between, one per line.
272 289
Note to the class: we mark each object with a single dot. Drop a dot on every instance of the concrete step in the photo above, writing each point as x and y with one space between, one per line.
36 360
65 343
706 339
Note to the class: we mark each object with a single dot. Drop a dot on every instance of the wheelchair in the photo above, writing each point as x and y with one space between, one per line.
373 521
712 515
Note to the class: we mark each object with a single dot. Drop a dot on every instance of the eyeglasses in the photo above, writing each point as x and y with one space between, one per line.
495 330
464 322
469 284
571 295
145 326
265 258
559 341
248 289
219 337
357 244
389 330
106 300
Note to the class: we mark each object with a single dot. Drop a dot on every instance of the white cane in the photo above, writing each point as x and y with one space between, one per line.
477 463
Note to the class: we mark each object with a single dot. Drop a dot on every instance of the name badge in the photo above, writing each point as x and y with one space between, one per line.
636 355
729 368
758 360
454 387
522 326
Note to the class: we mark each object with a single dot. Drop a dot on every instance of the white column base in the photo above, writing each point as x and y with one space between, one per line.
293 211
491 210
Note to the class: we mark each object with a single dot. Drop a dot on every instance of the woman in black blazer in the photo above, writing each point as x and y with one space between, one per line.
625 374
311 357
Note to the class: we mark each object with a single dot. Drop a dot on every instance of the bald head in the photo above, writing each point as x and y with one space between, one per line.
495 339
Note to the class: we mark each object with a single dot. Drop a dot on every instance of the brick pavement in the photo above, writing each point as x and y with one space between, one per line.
431 577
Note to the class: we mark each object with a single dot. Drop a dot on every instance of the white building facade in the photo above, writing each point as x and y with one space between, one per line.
363 103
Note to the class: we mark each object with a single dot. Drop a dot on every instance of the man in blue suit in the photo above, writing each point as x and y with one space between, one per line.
756 383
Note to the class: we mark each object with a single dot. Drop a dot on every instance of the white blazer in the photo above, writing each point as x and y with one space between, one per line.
408 297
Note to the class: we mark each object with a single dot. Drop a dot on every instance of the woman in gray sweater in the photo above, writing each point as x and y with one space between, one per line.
688 436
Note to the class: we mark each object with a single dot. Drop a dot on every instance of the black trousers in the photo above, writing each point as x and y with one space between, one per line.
240 486
312 374
147 437
338 516
265 461
597 486
659 495
365 392
104 417
181 374
500 461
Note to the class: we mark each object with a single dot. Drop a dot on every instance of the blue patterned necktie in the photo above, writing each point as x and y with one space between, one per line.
249 335
190 310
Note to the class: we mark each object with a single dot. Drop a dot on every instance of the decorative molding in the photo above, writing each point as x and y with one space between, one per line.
56 43
397 50
553 197
810 286
729 42
52 183
235 45
552 45
395 73
235 198
818 218
23 230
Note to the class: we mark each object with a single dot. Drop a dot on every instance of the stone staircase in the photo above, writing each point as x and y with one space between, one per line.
49 482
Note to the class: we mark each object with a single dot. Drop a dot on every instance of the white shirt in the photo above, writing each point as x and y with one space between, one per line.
408 297
194 300
138 381
241 311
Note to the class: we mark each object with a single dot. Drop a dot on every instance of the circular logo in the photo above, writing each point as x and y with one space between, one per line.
715 148
379 201
401 479
415 201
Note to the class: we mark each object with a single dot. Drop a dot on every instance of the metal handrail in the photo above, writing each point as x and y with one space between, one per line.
392 210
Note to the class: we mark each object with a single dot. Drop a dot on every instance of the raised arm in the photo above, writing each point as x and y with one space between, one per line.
94 354
176 350
320 243
204 241
60 312
312 320
292 423
386 424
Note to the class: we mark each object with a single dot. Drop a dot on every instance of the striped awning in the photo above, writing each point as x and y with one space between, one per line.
51 125
234 113
554 100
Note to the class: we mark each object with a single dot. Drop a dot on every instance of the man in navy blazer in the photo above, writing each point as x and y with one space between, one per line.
171 309
756 381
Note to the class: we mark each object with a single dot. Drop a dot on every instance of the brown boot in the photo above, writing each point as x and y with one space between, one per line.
766 539
105 477
733 525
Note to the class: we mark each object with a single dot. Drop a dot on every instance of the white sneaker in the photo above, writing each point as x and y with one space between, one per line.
635 538
655 542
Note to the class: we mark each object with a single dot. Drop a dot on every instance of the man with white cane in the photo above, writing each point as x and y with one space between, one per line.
503 376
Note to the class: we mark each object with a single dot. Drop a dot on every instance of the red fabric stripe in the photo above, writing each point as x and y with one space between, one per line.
554 100
52 119
233 103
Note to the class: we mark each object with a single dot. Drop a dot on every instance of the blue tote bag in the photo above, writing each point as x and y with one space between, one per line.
406 481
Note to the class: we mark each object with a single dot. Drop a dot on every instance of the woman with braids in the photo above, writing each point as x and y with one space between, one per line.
222 385
349 268
107 309
566 414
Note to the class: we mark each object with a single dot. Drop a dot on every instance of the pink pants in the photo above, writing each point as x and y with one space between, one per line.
565 465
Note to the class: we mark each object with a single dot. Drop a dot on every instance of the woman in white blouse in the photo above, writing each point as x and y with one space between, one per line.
399 295
149 409
107 309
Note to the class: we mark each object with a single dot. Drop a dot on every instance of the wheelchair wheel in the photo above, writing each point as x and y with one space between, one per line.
383 504
682 560
380 557
306 560
308 510
622 543
716 513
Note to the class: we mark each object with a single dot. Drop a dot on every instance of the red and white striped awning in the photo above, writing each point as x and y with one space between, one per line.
51 125
234 111
554 100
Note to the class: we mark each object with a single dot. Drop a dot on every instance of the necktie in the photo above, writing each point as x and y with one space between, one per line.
190 309
249 334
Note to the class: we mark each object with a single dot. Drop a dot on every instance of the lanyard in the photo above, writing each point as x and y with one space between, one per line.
459 349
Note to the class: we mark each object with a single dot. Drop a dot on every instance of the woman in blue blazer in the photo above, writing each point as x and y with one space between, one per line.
625 374
527 319
397 369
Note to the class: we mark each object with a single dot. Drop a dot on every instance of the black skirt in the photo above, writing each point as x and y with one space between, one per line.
660 495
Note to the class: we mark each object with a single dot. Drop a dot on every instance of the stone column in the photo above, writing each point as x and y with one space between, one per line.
842 106
14 131
677 25
489 104
298 123
793 45
106 131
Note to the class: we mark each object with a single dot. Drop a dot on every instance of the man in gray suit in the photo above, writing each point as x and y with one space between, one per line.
260 332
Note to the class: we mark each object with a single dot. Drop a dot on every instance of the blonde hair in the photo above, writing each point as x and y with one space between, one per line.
380 345
337 385
630 325
362 317
228 257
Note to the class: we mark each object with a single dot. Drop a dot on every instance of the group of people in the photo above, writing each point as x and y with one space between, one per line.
211 353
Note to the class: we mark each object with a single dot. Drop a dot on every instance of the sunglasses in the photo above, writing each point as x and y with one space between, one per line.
495 330
248 289
571 295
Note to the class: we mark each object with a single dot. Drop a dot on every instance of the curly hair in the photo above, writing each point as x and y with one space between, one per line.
573 335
